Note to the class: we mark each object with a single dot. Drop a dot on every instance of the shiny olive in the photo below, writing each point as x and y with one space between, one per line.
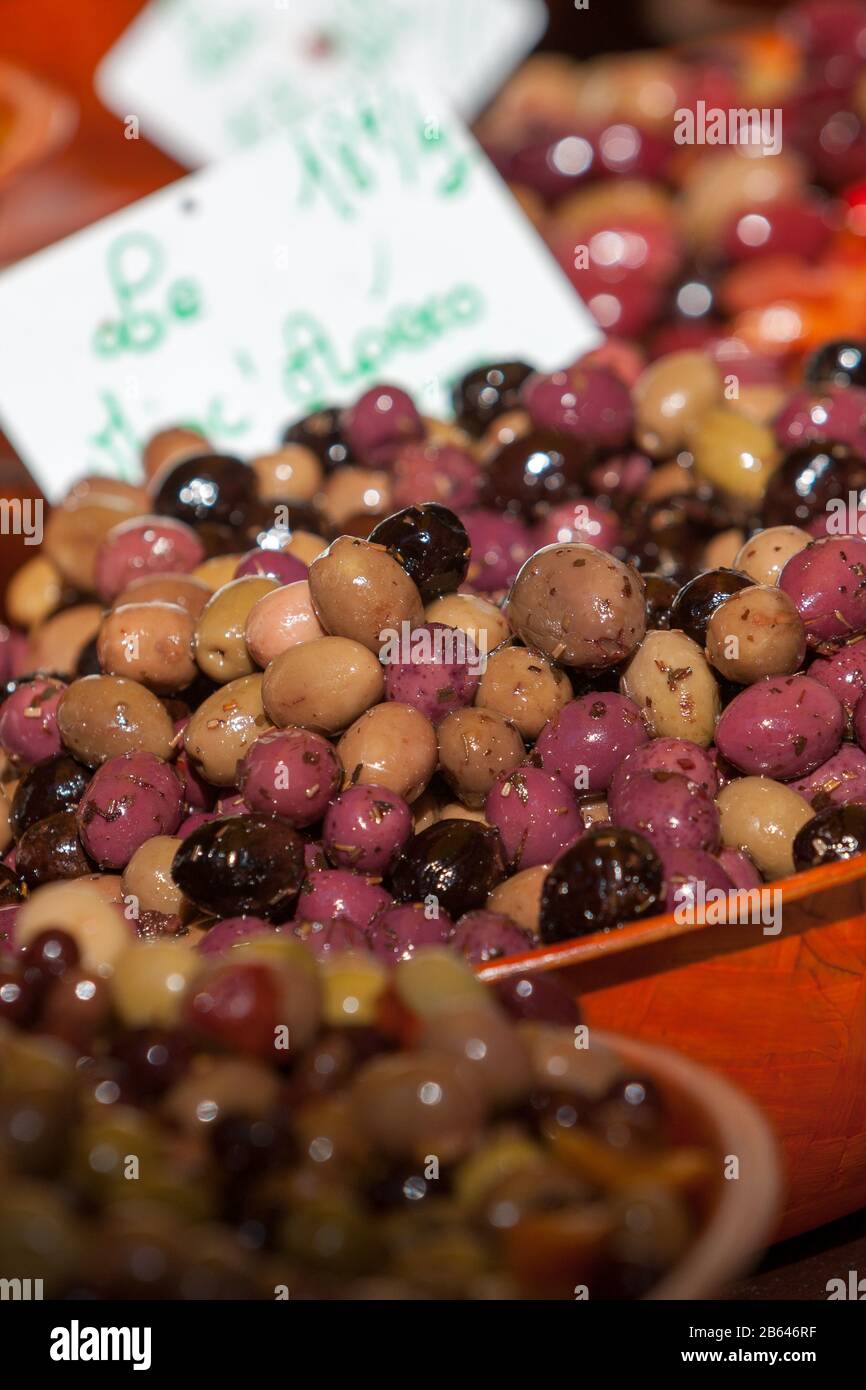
538 469
11 889
51 849
56 784
670 536
431 544
243 865
837 832
807 479
698 600
456 862
320 432
841 362
660 591
212 488
608 878
487 392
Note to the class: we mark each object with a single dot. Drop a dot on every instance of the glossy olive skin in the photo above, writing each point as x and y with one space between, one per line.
807 479
837 832
11 891
540 468
841 362
213 488
431 544
660 591
669 537
456 861
57 784
321 432
698 600
487 392
609 877
244 865
51 849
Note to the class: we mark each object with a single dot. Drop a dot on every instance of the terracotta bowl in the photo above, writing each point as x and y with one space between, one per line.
782 1016
35 120
743 1212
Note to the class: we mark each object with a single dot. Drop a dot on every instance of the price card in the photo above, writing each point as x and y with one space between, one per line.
206 78
371 242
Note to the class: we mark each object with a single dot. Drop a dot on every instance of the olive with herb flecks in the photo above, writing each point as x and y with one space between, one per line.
578 605
456 862
243 865
608 878
837 832
781 727
431 544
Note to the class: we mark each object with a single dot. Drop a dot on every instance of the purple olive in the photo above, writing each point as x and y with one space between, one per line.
142 547
781 727
435 668
668 810
365 829
844 673
379 424
398 932
690 875
292 773
739 868
28 720
591 403
535 813
130 799
826 582
274 564
839 780
324 939
500 543
483 936
668 755
589 738
225 934
330 893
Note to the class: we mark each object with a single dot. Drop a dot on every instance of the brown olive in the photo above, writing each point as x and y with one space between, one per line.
293 472
220 648
486 624
322 685
519 897
217 570
670 395
190 593
524 686
354 491
34 591
757 632
578 605
75 530
149 642
58 643
475 746
169 446
392 745
359 591
100 717
222 728
416 1104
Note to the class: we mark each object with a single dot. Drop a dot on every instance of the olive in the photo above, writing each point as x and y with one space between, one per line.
669 536
51 849
11 889
487 392
807 479
660 592
837 832
88 660
841 362
538 469
456 862
322 433
151 1060
241 866
607 878
698 600
212 488
55 784
431 544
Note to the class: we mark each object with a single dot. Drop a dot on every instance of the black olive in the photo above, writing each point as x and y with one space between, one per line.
607 878
698 600
837 832
50 849
661 590
838 363
431 544
322 433
807 479
533 472
55 784
457 862
487 392
213 488
243 865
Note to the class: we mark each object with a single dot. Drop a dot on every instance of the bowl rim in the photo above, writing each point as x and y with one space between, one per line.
579 950
749 1207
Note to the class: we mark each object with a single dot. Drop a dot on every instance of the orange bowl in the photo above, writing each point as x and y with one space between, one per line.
743 1213
35 120
782 1016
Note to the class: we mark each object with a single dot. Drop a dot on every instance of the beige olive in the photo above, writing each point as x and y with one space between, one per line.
132 496
455 810
34 591
57 644
168 447
719 183
217 570
519 897
766 554
100 717
292 472
757 632
220 647
592 810
75 530
578 605
281 619
150 980
190 593
734 454
670 396
392 745
215 1087
482 620
721 552
762 817
361 592
147 877
672 684
668 480
475 746
306 545
524 686
78 906
222 728
354 491
149 642
323 685
761 402
446 432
